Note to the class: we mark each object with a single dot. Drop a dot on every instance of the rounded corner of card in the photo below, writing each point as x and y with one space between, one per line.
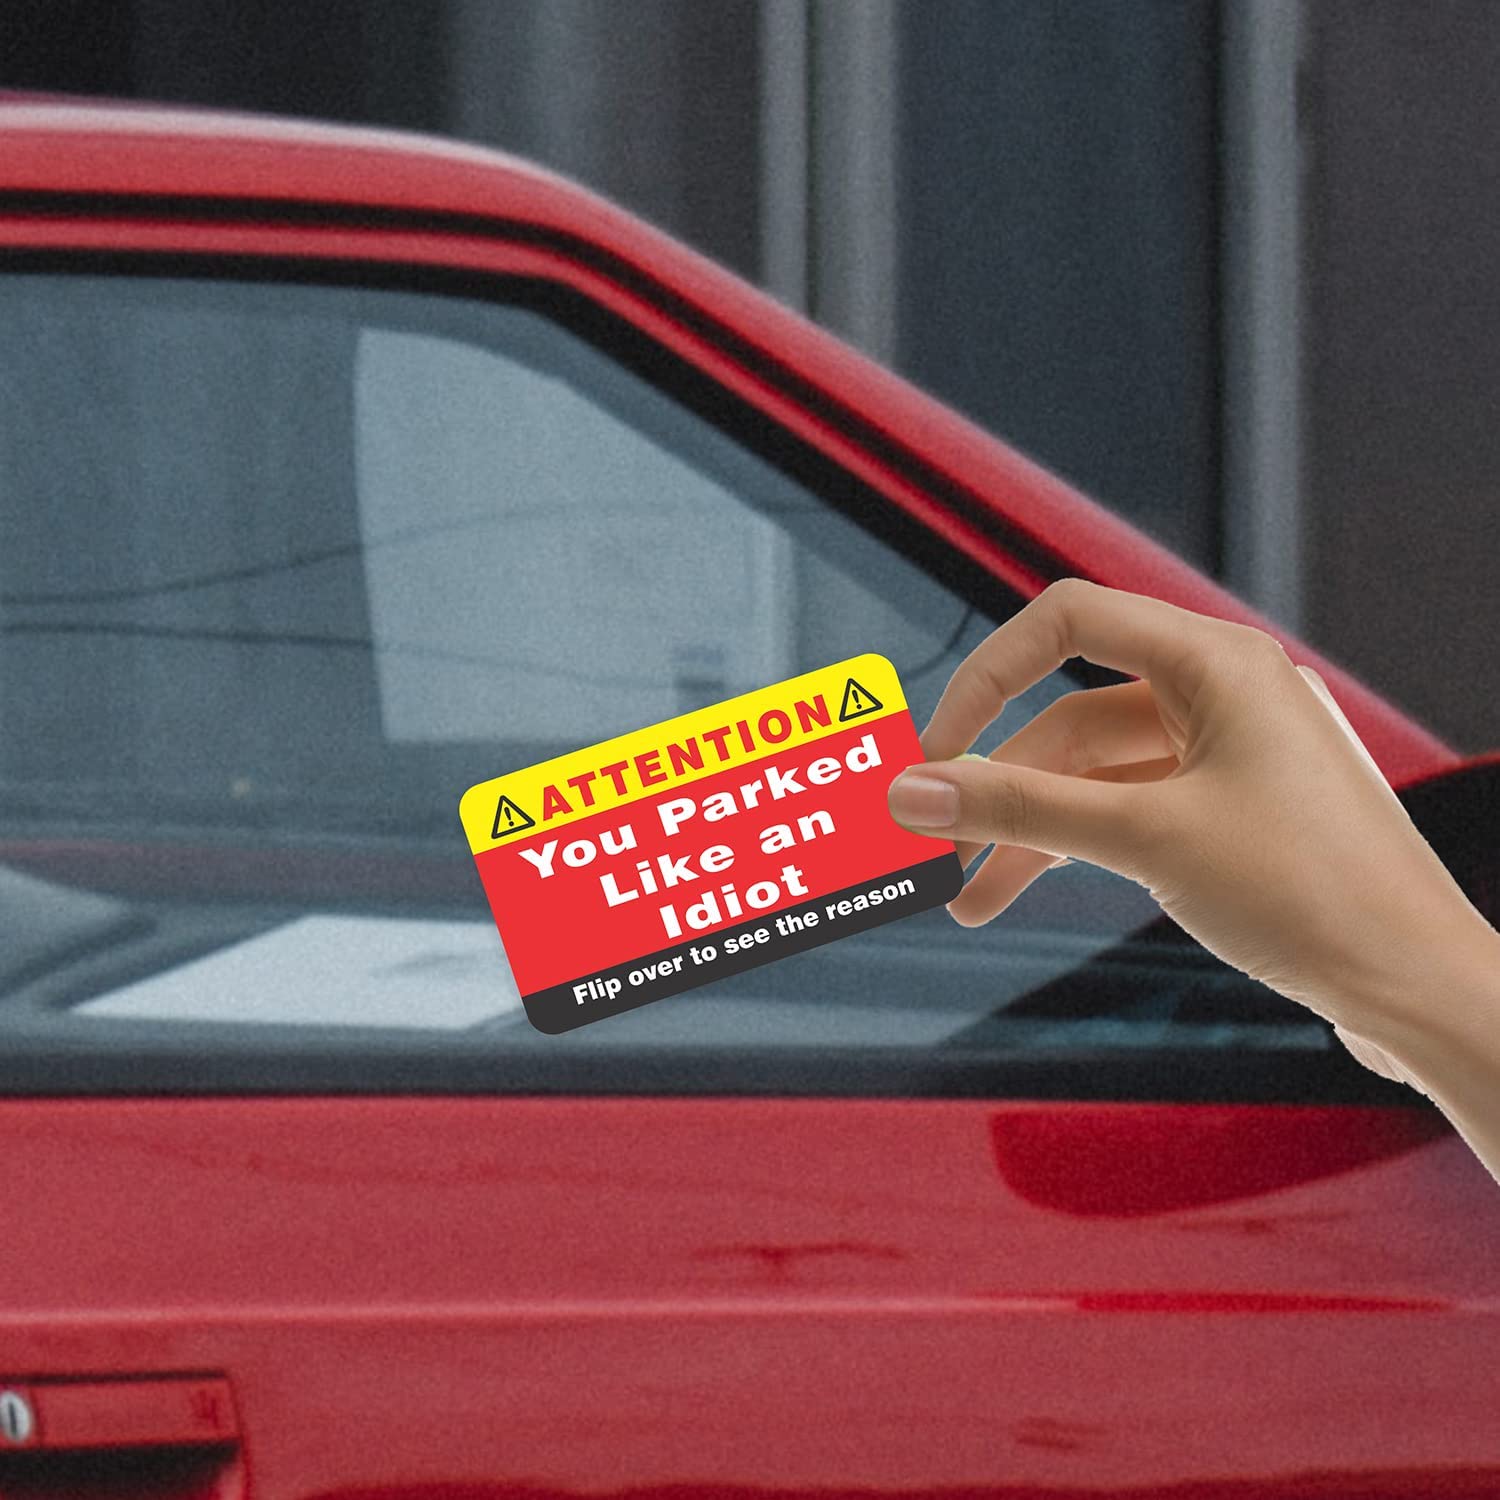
879 667
469 814
551 1030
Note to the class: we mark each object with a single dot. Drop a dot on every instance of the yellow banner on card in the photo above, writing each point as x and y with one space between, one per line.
678 751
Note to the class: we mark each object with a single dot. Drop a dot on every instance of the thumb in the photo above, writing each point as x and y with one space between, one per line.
984 801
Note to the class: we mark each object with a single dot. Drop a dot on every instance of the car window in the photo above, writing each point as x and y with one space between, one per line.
284 569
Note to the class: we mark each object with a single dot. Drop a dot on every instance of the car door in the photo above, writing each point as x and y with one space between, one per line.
298 545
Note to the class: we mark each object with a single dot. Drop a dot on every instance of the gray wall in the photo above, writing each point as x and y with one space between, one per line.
1058 220
1402 337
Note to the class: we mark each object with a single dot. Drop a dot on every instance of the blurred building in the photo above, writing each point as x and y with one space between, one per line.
1227 266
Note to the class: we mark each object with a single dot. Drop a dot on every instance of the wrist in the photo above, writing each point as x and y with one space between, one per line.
1443 1007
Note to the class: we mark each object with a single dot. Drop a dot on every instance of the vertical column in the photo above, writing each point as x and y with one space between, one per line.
785 149
852 240
1264 537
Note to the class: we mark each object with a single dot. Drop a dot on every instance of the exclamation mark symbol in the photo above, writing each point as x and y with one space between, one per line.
858 701
509 819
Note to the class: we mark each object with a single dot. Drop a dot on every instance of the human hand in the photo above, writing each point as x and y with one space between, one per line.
1225 780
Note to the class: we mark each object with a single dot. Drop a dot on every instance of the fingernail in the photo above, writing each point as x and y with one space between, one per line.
921 801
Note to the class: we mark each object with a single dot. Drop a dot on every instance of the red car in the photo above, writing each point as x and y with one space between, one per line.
340 470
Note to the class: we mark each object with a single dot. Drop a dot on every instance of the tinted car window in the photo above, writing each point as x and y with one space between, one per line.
284 569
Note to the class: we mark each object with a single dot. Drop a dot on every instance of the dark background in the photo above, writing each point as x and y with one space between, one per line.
1230 267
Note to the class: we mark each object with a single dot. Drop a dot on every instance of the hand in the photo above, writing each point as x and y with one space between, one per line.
1226 781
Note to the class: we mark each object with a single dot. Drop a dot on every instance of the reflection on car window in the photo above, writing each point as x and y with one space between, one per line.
284 569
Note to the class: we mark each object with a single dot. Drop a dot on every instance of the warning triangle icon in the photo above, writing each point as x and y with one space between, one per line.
858 701
509 819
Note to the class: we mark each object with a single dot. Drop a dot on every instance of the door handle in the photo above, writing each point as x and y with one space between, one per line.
142 1438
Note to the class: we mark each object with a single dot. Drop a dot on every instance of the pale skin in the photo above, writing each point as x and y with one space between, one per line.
1228 782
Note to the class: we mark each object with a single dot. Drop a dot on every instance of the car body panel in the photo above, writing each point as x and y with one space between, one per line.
484 1296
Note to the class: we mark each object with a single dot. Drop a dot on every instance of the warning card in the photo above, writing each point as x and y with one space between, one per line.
705 845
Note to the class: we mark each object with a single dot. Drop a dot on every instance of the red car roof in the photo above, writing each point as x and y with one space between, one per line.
200 157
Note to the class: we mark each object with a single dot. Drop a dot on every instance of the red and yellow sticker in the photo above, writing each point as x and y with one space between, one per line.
705 845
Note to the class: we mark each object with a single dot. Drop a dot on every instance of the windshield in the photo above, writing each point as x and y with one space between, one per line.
284 569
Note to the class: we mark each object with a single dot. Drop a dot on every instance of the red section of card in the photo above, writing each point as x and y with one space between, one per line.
560 926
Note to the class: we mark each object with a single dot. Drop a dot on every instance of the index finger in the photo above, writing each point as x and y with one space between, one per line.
1127 632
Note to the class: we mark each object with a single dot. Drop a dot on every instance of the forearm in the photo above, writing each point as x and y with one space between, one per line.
1447 1041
